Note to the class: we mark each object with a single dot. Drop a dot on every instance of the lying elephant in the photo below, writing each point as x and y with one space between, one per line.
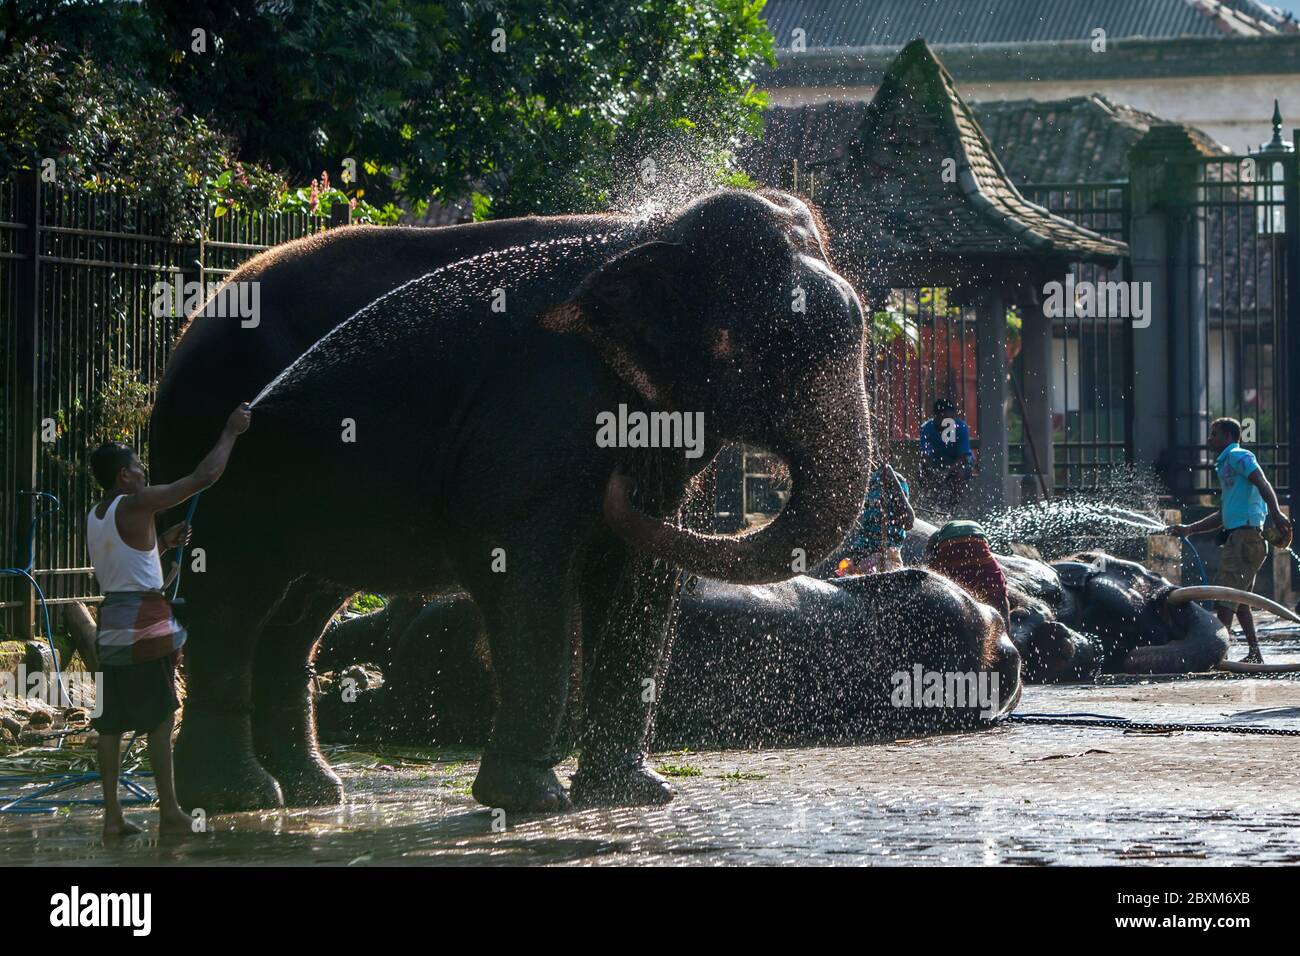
444 437
1100 614
1075 619
810 660
1107 615
804 661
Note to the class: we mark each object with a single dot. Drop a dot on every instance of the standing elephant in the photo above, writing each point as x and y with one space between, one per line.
445 436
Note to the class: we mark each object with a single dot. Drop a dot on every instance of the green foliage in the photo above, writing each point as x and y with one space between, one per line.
679 770
901 313
109 129
102 128
889 324
242 187
124 404
419 94
117 411
365 603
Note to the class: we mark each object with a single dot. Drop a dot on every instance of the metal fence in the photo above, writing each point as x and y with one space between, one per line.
925 349
1234 347
1092 358
81 351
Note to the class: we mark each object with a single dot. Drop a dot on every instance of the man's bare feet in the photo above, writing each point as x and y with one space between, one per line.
114 829
1254 656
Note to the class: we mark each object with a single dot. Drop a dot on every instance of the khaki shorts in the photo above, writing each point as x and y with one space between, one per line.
1240 560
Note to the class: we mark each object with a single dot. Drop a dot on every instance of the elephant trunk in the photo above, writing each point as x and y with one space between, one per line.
1203 645
828 473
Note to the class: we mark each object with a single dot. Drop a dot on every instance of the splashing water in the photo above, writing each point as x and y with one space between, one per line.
1062 526
659 175
458 285
667 176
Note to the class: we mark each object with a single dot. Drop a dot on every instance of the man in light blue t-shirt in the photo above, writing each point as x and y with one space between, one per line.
1246 499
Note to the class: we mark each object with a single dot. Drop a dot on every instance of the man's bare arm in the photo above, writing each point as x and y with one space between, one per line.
156 498
1208 523
1270 498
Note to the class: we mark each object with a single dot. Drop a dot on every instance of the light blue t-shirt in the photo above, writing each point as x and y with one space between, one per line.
1241 503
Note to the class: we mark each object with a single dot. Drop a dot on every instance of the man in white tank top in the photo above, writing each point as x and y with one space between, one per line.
138 639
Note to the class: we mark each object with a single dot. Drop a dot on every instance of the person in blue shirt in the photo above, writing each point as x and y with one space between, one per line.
947 461
875 543
1246 499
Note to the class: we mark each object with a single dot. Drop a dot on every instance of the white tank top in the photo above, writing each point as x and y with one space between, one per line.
118 566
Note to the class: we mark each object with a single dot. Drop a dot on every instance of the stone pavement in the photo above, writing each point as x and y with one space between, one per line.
1015 795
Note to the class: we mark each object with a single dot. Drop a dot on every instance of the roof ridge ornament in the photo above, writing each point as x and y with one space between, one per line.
1277 144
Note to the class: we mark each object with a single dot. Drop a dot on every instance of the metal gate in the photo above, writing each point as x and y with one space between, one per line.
1235 350
81 351
1092 358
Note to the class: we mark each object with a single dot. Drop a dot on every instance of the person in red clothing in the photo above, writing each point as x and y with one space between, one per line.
960 552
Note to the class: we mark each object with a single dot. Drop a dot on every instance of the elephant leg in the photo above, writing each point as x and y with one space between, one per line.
623 684
284 717
530 638
216 766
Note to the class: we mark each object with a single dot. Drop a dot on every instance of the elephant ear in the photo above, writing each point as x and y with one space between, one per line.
632 299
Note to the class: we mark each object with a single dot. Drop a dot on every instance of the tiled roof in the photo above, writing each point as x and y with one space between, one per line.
811 134
892 23
1080 139
886 199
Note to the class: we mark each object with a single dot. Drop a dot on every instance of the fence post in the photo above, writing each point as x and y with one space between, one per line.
191 269
340 215
1164 238
990 484
1291 195
1036 362
27 315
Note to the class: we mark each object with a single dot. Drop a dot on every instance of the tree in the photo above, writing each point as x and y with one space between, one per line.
87 124
530 105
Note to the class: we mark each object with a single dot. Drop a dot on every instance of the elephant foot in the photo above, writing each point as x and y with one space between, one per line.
225 783
625 781
519 785
306 782
215 767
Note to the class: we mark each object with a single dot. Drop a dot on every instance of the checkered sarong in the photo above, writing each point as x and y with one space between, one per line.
136 626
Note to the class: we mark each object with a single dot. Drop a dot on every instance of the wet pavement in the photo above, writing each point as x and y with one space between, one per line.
1016 794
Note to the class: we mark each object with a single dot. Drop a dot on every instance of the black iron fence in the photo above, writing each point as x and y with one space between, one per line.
1092 358
81 348
1234 341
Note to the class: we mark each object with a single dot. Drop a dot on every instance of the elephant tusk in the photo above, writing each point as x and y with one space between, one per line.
1235 595
1242 667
